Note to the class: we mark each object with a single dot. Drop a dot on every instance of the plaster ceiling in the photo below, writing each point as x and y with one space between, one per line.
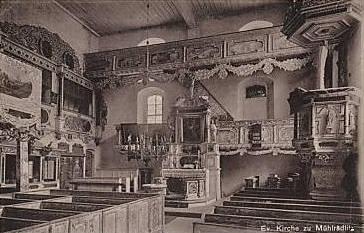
112 16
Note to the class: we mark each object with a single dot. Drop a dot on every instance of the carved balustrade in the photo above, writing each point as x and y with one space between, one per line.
256 137
225 48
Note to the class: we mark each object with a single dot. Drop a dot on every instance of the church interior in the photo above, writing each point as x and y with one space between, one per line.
200 116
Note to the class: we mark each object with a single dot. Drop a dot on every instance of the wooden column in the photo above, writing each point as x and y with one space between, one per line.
22 176
136 184
127 184
322 55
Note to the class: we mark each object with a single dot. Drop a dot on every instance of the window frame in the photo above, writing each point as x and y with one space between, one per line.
157 112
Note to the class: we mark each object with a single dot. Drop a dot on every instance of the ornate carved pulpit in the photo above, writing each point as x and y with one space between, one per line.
192 167
325 137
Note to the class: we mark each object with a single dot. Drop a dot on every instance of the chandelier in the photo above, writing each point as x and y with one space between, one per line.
145 147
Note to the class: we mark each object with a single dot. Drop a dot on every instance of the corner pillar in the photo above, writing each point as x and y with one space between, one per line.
22 158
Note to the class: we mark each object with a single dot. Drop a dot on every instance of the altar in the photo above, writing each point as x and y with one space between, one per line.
192 166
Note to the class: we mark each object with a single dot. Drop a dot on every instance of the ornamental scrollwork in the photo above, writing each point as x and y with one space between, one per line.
42 41
78 124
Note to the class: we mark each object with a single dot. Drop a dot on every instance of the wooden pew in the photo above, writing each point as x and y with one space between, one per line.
277 194
65 206
10 224
266 189
135 196
33 196
293 206
36 214
12 201
101 184
97 200
273 223
296 214
295 201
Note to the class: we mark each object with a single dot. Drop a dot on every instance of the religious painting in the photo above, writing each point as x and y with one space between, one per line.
191 130
20 86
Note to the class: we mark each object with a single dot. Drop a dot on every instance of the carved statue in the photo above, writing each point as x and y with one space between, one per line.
77 171
330 120
213 131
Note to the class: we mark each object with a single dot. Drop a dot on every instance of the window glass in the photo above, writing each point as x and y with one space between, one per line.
49 169
154 109
77 98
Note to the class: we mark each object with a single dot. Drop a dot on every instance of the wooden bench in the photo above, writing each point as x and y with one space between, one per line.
11 201
65 206
107 184
10 224
258 193
99 200
295 201
64 192
33 196
294 206
36 214
296 214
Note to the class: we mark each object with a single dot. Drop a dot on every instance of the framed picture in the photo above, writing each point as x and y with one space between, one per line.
192 130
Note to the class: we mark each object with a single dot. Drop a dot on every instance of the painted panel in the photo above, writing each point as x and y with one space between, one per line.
20 87
61 227
133 218
246 46
86 224
143 217
109 222
156 214
122 220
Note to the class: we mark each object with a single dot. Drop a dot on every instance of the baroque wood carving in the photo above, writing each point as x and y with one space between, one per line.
40 40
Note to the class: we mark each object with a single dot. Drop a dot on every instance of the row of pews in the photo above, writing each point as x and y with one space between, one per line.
263 210
67 211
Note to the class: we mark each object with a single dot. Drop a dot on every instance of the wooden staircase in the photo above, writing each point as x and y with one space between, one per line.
279 210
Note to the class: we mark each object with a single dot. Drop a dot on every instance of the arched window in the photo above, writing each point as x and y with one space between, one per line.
154 109
256 25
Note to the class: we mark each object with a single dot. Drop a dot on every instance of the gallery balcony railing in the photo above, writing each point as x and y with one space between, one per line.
272 136
206 51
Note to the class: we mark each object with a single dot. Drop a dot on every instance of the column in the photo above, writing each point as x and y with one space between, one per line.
93 104
322 55
335 68
60 77
127 184
22 176
135 184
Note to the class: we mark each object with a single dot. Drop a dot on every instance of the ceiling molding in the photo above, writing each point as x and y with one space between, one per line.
76 18
186 11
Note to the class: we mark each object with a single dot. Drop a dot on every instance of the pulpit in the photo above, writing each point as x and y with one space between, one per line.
192 166
325 138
